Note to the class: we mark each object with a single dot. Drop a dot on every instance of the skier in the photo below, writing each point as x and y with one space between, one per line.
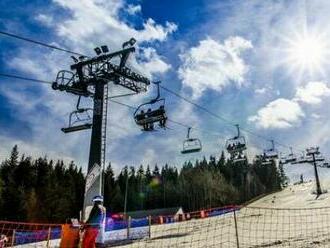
94 222
3 240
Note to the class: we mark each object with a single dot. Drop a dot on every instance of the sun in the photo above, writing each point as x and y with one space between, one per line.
307 53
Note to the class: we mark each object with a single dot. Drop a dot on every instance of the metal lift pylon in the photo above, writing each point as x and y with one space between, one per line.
89 77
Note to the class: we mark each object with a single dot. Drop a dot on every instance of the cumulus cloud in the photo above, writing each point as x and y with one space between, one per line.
214 65
284 113
280 113
151 63
133 9
104 24
153 31
312 92
104 27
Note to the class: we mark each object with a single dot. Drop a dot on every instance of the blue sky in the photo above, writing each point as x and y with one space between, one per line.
262 64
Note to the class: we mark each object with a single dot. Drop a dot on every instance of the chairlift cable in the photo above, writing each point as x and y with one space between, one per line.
24 78
213 133
166 89
112 100
39 43
218 116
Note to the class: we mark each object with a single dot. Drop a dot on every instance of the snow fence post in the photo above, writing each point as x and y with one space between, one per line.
48 236
236 231
149 221
128 226
13 238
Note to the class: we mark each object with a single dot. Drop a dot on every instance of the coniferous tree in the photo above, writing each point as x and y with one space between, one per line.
109 186
43 191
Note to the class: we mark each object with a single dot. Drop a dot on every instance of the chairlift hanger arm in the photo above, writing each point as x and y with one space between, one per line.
273 145
188 133
158 90
78 103
238 131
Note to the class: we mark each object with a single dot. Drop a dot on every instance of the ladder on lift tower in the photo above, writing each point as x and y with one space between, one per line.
104 134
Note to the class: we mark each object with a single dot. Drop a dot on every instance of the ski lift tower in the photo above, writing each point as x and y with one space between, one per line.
312 151
89 77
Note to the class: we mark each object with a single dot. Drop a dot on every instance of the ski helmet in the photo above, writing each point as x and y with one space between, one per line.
98 198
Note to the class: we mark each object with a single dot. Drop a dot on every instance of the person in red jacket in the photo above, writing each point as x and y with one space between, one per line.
94 223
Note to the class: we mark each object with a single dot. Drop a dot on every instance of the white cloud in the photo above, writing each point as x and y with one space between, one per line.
284 113
104 24
214 65
260 91
280 113
153 31
312 93
46 20
133 9
104 27
152 62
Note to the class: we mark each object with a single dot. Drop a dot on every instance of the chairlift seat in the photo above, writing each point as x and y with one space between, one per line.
239 159
76 128
271 153
144 115
149 120
236 144
266 162
191 150
191 145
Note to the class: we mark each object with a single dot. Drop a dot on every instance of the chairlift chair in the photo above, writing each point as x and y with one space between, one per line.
146 115
238 157
290 158
318 158
236 144
80 119
271 153
191 145
317 155
236 147
326 164
264 159
302 159
267 162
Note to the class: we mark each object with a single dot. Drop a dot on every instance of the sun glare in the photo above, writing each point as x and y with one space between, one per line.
307 53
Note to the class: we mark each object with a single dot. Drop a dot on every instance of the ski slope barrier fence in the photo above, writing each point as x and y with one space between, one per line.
247 227
20 234
117 232
231 227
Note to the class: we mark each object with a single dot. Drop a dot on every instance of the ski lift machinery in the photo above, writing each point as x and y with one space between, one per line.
191 145
146 115
236 147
